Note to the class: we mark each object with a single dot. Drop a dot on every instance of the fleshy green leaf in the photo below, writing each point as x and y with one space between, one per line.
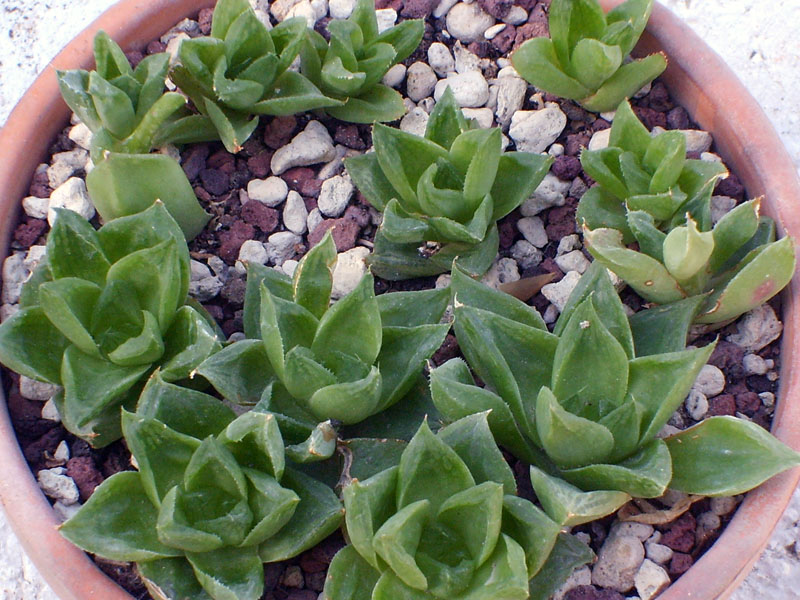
379 104
368 504
531 528
255 440
366 173
476 514
271 504
536 61
628 80
350 577
348 402
229 573
171 578
74 249
664 328
32 346
239 372
313 278
397 539
320 445
568 554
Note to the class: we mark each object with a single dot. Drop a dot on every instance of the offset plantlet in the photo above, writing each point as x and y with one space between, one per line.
648 192
351 66
315 361
211 501
444 523
585 403
240 70
585 57
129 114
101 310
443 192
646 174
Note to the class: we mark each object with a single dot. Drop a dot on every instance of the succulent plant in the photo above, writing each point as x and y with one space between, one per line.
242 69
446 190
443 523
351 66
648 192
585 404
100 311
211 501
315 361
585 57
129 114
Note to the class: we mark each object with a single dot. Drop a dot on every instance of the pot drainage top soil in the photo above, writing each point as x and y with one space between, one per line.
270 204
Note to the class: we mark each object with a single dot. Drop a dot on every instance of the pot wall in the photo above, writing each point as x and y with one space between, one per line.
744 137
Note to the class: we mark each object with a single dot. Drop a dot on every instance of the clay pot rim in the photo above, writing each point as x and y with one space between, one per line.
699 80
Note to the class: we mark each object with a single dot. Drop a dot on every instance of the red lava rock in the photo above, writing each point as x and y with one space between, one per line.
40 186
311 203
560 222
85 474
302 595
548 265
316 581
204 20
348 135
202 194
232 240
295 177
215 181
310 188
726 355
117 460
48 442
27 415
272 574
252 146
418 9
395 4
504 40
576 142
659 98
134 57
600 125
748 403
222 160
259 164
345 233
28 232
507 233
279 131
260 215
448 350
481 49
155 47
526 4
566 167
497 8
530 30
234 289
651 118
730 186
310 564
759 383
724 404
359 214
194 161
589 592
680 533
679 564
678 118
215 311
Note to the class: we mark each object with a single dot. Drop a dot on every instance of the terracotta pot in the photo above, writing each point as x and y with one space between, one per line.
696 77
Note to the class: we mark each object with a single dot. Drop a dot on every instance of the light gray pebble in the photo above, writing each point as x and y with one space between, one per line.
550 314
466 61
34 255
720 206
81 135
754 365
708 521
311 146
440 59
395 76
758 328
558 293
599 139
526 254
672 497
36 207
568 243
494 31
36 390
502 271
516 16
341 9
65 165
573 261
577 578
387 17
658 553
350 268
415 121
710 381
55 484
295 214
270 191
420 81
650 580
443 8
696 140
696 404
334 195
50 412
723 505
335 166
251 251
532 229
71 195
408 104
482 116
470 89
468 22
510 97
290 266
427 104
556 150
15 273
65 511
61 452
617 563
236 336
551 192
218 266
314 219
641 531
577 188
281 246
535 130
767 399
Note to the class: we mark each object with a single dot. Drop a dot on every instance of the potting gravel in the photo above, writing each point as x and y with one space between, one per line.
755 40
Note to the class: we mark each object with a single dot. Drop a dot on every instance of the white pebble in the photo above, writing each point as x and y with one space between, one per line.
420 81
36 390
568 243
58 486
758 328
341 9
532 229
295 214
710 381
311 146
281 246
572 261
470 89
15 273
535 130
314 219
416 121
650 580
65 165
696 404
395 76
61 452
350 268
270 191
526 254
558 293
468 22
334 195
81 135
50 412
502 271
251 251
36 207
754 365
440 59
71 195
516 16
387 17
658 553
599 139
482 116
551 192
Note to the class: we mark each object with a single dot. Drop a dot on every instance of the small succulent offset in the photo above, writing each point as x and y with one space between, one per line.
241 70
212 500
444 523
351 66
648 192
129 114
445 190
585 57
585 403
100 311
315 361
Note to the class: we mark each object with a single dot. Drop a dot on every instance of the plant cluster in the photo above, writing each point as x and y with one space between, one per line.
447 188
584 58
331 395
648 191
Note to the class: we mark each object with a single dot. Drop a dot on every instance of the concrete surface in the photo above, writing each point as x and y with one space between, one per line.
756 37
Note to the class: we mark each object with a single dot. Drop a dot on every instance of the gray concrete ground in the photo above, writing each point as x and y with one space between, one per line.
758 40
